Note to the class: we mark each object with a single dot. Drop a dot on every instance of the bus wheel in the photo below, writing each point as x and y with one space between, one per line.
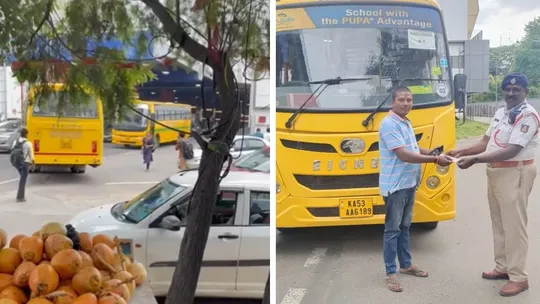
78 169
429 225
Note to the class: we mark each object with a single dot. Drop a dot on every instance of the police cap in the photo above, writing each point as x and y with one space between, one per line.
515 78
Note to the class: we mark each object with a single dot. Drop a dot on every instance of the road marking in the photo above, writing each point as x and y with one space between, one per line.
315 257
9 181
294 296
131 183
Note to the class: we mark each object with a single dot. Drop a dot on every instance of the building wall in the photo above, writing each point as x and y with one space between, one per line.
260 104
468 55
455 15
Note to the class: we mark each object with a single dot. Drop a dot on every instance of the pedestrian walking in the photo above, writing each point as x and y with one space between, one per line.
148 150
267 135
508 150
399 177
185 151
22 158
258 133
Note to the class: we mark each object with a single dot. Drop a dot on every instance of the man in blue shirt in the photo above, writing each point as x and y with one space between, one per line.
399 177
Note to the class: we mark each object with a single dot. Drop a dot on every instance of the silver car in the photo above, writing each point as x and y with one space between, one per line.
9 132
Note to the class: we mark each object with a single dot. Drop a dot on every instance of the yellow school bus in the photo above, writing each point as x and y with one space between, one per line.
72 138
131 129
327 127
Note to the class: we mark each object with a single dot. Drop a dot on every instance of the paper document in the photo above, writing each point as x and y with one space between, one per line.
455 160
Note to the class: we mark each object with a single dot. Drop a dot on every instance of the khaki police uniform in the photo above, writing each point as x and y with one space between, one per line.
509 185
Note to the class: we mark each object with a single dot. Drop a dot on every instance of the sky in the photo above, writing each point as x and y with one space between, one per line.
506 18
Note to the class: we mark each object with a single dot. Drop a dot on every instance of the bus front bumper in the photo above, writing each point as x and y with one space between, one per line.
299 212
126 140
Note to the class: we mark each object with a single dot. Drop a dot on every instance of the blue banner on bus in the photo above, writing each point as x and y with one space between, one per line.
376 16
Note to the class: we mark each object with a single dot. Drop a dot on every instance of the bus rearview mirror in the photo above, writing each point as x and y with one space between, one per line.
460 90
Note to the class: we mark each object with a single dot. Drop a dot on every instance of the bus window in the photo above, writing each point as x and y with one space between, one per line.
47 106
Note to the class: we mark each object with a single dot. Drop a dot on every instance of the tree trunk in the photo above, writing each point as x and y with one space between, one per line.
186 274
266 298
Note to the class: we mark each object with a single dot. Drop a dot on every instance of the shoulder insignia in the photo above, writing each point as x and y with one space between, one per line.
524 128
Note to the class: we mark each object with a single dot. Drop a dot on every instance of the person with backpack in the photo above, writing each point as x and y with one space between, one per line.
185 151
22 157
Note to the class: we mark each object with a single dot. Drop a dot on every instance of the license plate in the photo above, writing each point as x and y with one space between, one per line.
65 144
355 207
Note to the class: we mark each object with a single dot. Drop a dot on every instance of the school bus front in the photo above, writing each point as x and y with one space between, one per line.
72 139
327 155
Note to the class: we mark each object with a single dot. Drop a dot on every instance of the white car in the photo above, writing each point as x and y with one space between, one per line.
249 145
236 261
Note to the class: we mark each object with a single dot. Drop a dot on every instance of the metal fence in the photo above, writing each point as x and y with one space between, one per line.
488 109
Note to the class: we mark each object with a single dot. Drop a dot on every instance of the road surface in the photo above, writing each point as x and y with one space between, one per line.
58 196
345 265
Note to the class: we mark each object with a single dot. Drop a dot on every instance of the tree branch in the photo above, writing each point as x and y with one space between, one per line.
48 10
178 33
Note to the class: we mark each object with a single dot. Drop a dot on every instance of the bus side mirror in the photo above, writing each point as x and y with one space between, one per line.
460 90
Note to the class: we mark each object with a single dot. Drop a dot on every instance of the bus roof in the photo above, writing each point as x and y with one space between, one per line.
433 3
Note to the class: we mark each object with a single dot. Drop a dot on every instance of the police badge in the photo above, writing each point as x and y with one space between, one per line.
513 81
524 128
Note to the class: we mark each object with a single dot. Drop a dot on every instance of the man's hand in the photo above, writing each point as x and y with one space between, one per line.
444 161
453 153
466 162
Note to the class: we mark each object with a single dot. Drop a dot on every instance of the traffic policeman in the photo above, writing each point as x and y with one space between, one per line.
508 149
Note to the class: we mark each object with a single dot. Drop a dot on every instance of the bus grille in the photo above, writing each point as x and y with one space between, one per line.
336 182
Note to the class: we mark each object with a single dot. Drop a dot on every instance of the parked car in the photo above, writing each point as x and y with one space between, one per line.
150 226
246 144
9 132
257 161
238 152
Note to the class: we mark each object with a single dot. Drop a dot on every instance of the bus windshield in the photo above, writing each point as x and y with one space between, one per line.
386 44
133 121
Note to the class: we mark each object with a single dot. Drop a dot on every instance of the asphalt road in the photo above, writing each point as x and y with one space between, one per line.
345 265
57 196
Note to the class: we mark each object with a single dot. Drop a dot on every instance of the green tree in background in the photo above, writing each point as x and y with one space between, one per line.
219 34
528 52
502 59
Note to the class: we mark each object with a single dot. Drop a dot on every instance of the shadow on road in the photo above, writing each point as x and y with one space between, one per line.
366 236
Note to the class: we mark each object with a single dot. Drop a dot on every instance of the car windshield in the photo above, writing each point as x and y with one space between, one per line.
133 121
147 202
388 44
256 161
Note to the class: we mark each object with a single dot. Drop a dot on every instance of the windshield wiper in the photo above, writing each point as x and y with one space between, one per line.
323 84
368 119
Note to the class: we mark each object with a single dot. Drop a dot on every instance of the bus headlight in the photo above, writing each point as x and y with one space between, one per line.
433 182
442 170
278 188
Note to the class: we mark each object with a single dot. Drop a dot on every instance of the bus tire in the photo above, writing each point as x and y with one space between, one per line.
429 225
